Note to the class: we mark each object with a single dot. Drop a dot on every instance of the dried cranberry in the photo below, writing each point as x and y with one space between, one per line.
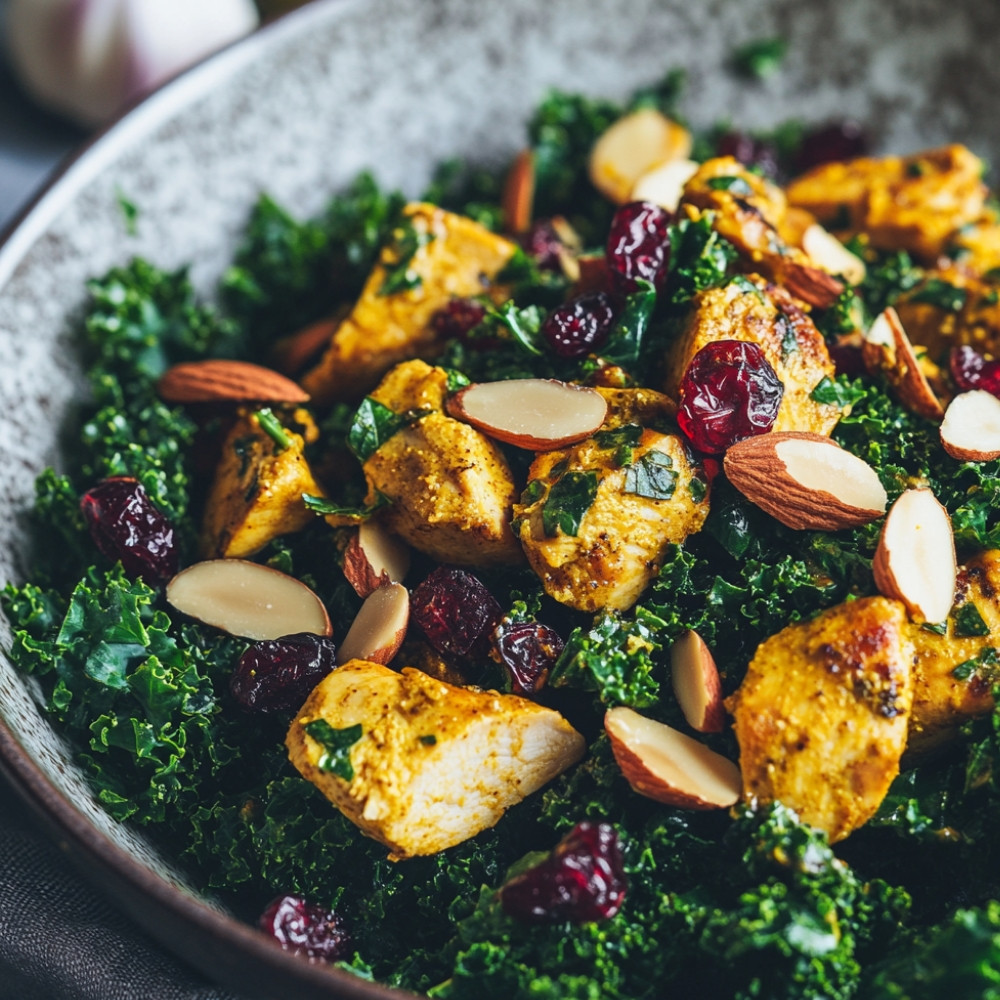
305 928
847 359
638 245
542 243
455 320
527 650
970 370
729 392
276 675
750 151
583 879
125 525
830 143
579 326
454 609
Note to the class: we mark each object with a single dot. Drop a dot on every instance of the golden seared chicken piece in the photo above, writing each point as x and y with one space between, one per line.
595 519
821 716
450 486
638 405
749 212
433 764
944 699
257 491
751 309
951 308
975 248
911 202
443 256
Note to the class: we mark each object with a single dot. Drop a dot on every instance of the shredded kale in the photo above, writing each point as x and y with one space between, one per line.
569 499
760 59
699 259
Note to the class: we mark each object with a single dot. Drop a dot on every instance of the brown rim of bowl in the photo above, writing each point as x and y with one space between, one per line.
229 951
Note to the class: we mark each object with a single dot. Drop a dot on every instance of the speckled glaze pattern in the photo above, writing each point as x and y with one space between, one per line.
397 85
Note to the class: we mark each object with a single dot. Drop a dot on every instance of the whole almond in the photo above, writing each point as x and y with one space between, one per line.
806 481
219 380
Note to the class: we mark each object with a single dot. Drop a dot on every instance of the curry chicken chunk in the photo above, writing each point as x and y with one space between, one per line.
596 519
450 487
752 309
955 672
916 203
256 494
433 764
442 256
821 716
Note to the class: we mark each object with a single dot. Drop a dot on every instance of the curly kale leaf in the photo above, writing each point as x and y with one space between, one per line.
615 658
142 319
959 957
126 688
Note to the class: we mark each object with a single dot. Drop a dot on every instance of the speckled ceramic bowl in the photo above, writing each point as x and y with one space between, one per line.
395 85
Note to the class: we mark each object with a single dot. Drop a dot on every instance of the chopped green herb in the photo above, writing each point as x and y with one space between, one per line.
745 285
938 628
323 506
569 499
621 440
428 740
533 492
789 342
839 391
942 294
271 426
336 744
652 477
734 185
405 243
969 622
455 380
373 424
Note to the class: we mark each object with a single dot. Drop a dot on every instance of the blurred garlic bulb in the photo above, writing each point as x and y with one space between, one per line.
88 58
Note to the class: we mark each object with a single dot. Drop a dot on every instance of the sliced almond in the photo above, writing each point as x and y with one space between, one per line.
830 254
247 599
664 184
536 413
379 628
664 764
887 350
806 481
215 381
970 430
518 198
631 147
696 683
810 284
915 559
373 557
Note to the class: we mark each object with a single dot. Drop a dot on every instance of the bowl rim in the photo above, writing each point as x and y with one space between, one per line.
227 950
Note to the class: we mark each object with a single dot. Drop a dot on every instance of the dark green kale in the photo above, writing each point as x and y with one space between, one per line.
652 477
699 259
405 242
760 59
616 658
628 335
134 694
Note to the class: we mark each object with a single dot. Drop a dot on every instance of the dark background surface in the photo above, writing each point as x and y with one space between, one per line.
60 939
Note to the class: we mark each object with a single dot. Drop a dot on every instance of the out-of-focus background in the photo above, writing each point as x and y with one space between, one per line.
34 138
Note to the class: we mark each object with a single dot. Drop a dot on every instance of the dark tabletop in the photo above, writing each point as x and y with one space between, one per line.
60 939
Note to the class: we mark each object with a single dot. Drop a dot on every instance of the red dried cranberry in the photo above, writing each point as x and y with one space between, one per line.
276 675
847 359
830 143
751 152
542 243
729 392
455 320
305 928
579 326
527 650
583 879
971 370
126 526
454 609
638 245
